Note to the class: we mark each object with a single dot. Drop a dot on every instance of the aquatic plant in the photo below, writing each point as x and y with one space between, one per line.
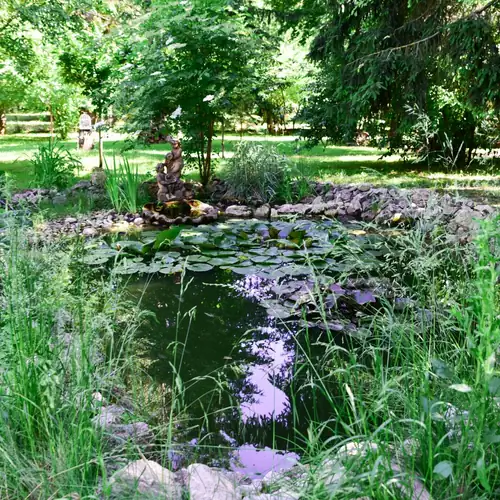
53 165
122 185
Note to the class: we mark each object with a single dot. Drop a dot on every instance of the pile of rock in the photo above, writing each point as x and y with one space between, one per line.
384 206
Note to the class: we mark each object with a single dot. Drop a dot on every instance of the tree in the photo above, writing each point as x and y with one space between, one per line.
187 67
380 61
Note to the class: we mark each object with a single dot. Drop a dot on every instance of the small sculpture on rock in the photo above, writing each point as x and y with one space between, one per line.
168 174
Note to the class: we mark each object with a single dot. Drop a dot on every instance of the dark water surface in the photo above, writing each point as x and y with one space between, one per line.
236 364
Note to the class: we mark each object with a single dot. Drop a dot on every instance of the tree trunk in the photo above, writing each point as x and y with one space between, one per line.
207 170
223 145
3 122
101 150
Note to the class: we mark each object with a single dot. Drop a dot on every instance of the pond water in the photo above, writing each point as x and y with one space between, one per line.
237 337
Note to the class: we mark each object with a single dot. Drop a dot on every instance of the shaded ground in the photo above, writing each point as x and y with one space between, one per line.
339 164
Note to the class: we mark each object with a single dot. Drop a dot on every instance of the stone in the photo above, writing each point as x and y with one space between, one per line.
109 415
146 477
318 200
70 220
277 495
59 199
274 213
137 432
205 483
239 211
89 231
465 217
138 221
263 212
317 209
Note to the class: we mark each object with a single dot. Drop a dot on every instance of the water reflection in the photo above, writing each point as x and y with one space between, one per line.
235 362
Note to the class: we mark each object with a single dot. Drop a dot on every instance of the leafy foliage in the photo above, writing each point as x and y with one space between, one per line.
122 185
190 64
53 166
256 171
376 60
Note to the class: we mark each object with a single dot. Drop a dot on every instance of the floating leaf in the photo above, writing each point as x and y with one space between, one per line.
364 297
223 261
199 267
132 247
197 258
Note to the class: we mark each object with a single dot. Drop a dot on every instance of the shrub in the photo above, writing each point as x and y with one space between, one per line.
256 171
54 166
122 185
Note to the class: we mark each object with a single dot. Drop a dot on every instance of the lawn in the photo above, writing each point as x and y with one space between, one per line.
339 164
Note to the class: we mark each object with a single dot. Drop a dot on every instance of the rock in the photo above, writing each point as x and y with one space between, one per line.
465 217
205 483
317 208
89 231
274 213
60 199
109 415
138 432
239 211
138 221
146 477
318 200
70 220
263 212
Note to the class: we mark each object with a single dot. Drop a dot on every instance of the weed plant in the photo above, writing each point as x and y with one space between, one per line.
54 166
122 185
56 322
260 172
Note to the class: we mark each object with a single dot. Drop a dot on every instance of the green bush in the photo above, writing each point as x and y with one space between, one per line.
256 171
54 166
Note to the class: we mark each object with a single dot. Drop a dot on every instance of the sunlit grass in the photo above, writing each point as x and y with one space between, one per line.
337 164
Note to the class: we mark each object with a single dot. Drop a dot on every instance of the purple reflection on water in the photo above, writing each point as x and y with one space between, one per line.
268 399
256 463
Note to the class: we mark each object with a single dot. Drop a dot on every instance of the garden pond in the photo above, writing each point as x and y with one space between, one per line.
243 312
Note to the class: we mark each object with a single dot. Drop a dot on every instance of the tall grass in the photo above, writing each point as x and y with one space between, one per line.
122 185
56 322
54 166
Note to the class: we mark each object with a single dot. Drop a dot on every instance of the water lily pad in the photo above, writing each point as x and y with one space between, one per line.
247 270
132 247
171 269
199 267
94 260
363 297
223 261
197 258
295 270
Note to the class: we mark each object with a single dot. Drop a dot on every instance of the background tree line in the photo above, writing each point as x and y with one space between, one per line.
421 78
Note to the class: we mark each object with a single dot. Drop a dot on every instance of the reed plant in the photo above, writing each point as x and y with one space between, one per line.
122 185
56 321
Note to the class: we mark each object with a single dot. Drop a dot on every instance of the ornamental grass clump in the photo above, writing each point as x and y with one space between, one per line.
256 171
54 166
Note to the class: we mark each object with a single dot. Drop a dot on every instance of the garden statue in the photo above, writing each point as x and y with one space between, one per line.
168 175
85 139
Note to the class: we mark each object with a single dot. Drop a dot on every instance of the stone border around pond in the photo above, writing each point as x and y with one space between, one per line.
384 206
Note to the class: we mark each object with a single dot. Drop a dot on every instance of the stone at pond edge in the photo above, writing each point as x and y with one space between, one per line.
145 477
239 211
205 483
263 212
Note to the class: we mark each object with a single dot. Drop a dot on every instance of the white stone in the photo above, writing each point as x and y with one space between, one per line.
239 211
205 483
89 231
109 415
138 221
263 212
148 478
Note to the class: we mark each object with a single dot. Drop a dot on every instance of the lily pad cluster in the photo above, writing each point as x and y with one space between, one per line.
269 250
